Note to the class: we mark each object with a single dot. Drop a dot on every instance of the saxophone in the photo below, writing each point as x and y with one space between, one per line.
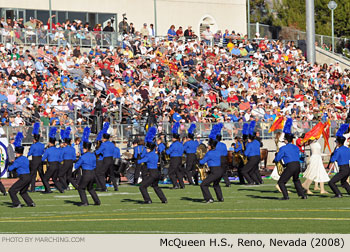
279 164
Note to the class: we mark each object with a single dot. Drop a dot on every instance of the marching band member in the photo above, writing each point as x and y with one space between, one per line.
107 150
87 162
290 155
252 152
2 189
100 171
139 153
36 150
161 153
190 148
238 149
256 139
68 157
279 140
222 149
21 165
53 156
116 162
176 151
213 159
153 175
342 156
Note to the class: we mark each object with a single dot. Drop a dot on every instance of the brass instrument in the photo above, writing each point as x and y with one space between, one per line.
202 169
279 164
127 155
167 157
241 155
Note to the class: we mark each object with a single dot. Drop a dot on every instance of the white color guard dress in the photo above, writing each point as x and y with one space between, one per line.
315 170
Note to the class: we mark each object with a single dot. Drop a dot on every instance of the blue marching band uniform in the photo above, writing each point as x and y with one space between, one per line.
290 156
97 166
190 148
342 156
252 151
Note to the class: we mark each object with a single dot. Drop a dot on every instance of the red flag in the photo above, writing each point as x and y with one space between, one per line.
326 133
314 133
277 124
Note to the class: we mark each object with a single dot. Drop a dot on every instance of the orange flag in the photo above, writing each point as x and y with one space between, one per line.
277 124
314 133
326 133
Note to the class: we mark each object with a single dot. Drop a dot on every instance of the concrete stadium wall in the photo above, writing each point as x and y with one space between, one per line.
230 14
323 56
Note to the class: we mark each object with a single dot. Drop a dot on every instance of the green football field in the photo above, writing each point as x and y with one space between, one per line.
253 209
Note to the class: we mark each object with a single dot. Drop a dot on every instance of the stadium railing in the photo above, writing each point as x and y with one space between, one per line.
127 132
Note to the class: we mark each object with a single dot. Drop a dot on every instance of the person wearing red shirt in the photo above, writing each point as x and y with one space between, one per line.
212 97
232 98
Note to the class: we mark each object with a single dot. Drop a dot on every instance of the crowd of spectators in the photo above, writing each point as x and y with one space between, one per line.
232 80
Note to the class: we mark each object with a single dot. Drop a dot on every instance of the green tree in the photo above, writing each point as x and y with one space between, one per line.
291 13
260 12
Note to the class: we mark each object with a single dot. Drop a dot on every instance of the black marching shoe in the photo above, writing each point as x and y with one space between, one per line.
338 196
175 187
48 192
97 204
228 185
210 201
5 194
84 204
165 202
147 202
304 197
32 205
221 200
17 206
284 198
116 189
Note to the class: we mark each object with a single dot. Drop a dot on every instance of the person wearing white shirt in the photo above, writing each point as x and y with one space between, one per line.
100 85
19 120
187 91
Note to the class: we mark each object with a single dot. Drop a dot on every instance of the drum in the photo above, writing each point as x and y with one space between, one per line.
130 173
263 156
127 156
230 155
117 161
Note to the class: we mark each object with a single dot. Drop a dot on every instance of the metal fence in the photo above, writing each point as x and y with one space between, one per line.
288 33
126 133
58 38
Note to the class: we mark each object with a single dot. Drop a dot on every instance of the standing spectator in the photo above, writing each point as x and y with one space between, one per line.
207 36
151 31
144 30
180 32
189 33
109 27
